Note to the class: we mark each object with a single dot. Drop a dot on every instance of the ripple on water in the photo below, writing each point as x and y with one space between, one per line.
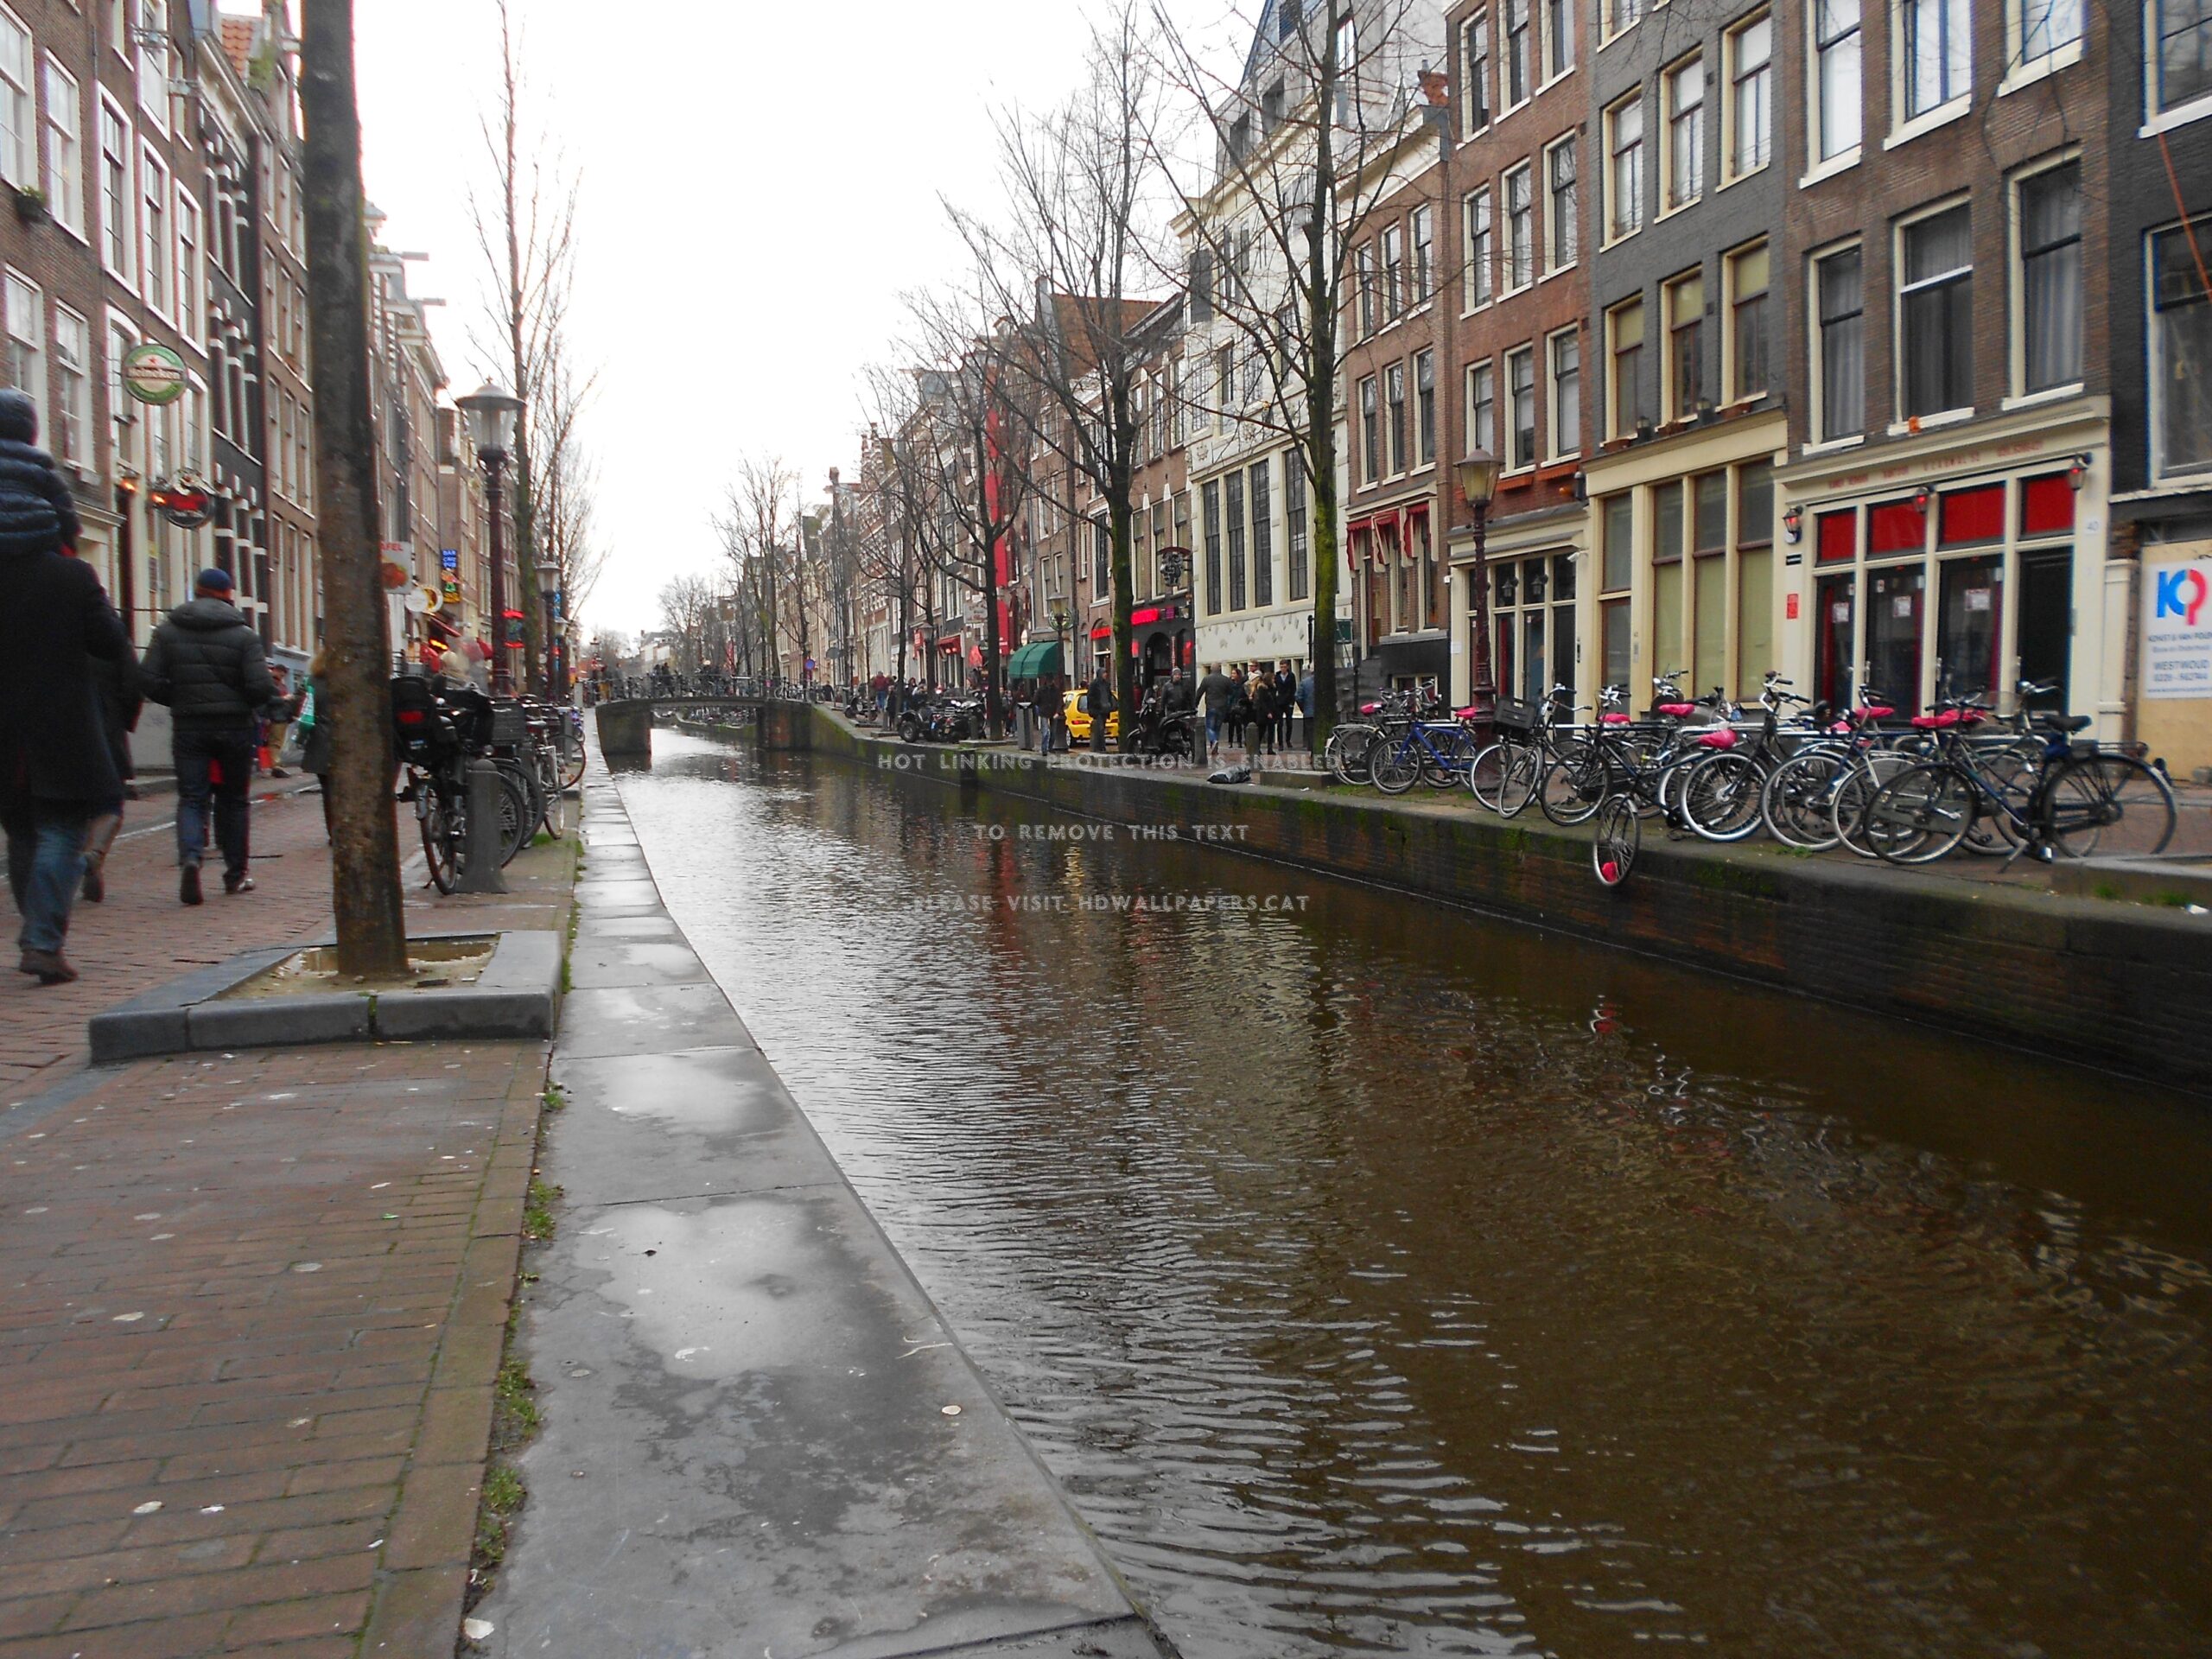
1380 1280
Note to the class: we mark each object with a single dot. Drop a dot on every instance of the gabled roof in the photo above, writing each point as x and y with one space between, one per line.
238 41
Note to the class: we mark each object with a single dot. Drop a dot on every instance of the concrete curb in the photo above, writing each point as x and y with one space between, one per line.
516 995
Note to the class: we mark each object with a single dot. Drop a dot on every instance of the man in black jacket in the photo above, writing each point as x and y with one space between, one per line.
55 764
207 663
1100 703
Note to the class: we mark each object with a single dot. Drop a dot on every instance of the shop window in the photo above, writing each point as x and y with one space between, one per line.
1754 576
1712 521
2047 505
1896 527
1667 522
1616 568
1966 517
1837 537
1708 624
1893 621
1667 579
1968 625
1834 640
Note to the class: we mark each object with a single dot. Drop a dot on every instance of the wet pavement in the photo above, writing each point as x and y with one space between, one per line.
1378 1278
759 1437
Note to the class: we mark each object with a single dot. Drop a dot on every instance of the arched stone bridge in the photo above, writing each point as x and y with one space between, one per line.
626 724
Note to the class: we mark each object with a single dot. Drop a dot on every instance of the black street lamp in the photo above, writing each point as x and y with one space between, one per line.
549 588
491 411
1477 479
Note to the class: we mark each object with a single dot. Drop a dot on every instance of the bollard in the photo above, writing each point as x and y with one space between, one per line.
479 870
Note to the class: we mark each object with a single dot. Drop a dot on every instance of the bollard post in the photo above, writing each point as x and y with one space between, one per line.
480 871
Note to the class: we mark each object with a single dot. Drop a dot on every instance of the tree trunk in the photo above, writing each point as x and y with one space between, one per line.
1119 532
354 692
1321 400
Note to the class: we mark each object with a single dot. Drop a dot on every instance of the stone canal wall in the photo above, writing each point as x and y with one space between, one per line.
2124 987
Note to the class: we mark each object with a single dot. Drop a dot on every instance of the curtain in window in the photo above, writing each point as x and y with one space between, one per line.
2050 247
1843 353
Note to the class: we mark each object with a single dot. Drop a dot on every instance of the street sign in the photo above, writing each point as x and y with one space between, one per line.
152 373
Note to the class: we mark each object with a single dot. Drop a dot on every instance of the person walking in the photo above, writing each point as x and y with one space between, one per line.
1101 705
315 732
1305 705
56 765
206 662
1218 692
1286 704
115 685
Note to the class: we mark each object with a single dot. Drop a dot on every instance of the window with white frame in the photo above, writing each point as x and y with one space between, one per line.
2042 28
1370 431
1425 409
1363 286
2047 323
1620 16
154 229
1746 272
2180 61
1685 345
1478 281
1935 59
188 265
118 218
1748 49
72 386
1520 227
1482 408
1564 364
64 127
1423 223
26 312
1394 273
119 342
1935 314
1624 167
2181 352
152 36
1559 38
1474 91
1521 407
1562 223
18 104
1516 54
1625 387
1393 403
1685 91
1838 117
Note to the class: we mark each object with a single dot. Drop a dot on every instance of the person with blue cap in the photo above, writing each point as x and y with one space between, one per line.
55 766
207 664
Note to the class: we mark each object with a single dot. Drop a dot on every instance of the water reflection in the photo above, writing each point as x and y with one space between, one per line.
1382 1279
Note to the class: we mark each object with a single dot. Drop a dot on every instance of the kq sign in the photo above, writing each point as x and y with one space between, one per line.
2177 630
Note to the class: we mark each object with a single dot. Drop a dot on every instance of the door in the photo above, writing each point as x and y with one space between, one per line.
1893 624
1833 623
2046 620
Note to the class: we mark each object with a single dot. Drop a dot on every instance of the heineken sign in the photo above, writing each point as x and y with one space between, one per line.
153 374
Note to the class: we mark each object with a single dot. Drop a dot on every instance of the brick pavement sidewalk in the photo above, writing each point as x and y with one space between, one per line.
251 1305
142 937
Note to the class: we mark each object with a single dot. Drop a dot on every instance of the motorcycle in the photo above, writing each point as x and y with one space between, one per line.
1162 733
944 720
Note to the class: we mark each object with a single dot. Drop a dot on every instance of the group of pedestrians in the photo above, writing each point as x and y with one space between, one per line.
1251 706
70 696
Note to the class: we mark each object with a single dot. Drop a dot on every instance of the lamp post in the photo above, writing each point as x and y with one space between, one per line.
491 410
549 588
1477 479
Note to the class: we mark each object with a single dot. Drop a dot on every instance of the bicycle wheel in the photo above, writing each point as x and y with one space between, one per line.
2013 772
444 826
2107 805
1519 786
572 763
1487 770
1573 783
1452 750
519 812
1847 807
1796 799
1345 752
555 815
1921 814
1394 767
1619 837
1720 797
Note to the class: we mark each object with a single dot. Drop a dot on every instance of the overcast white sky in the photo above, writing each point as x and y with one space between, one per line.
760 182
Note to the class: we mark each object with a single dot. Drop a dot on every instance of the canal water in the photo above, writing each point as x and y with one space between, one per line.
1381 1279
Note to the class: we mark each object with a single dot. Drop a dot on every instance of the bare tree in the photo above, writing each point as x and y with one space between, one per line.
980 408
354 690
1079 241
686 603
1290 159
758 531
905 472
526 233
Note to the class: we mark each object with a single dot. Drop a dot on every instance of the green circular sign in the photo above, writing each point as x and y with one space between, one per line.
153 373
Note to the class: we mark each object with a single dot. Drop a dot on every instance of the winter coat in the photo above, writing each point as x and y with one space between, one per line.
115 681
207 663
38 511
53 745
1219 691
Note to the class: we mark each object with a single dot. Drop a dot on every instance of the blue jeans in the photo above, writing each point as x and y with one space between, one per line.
1214 718
232 752
45 860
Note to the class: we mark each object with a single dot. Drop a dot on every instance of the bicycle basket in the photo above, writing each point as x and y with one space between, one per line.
1516 714
424 732
510 724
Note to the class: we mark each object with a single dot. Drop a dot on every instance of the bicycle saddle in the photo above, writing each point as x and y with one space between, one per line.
2065 723
1723 739
1679 710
